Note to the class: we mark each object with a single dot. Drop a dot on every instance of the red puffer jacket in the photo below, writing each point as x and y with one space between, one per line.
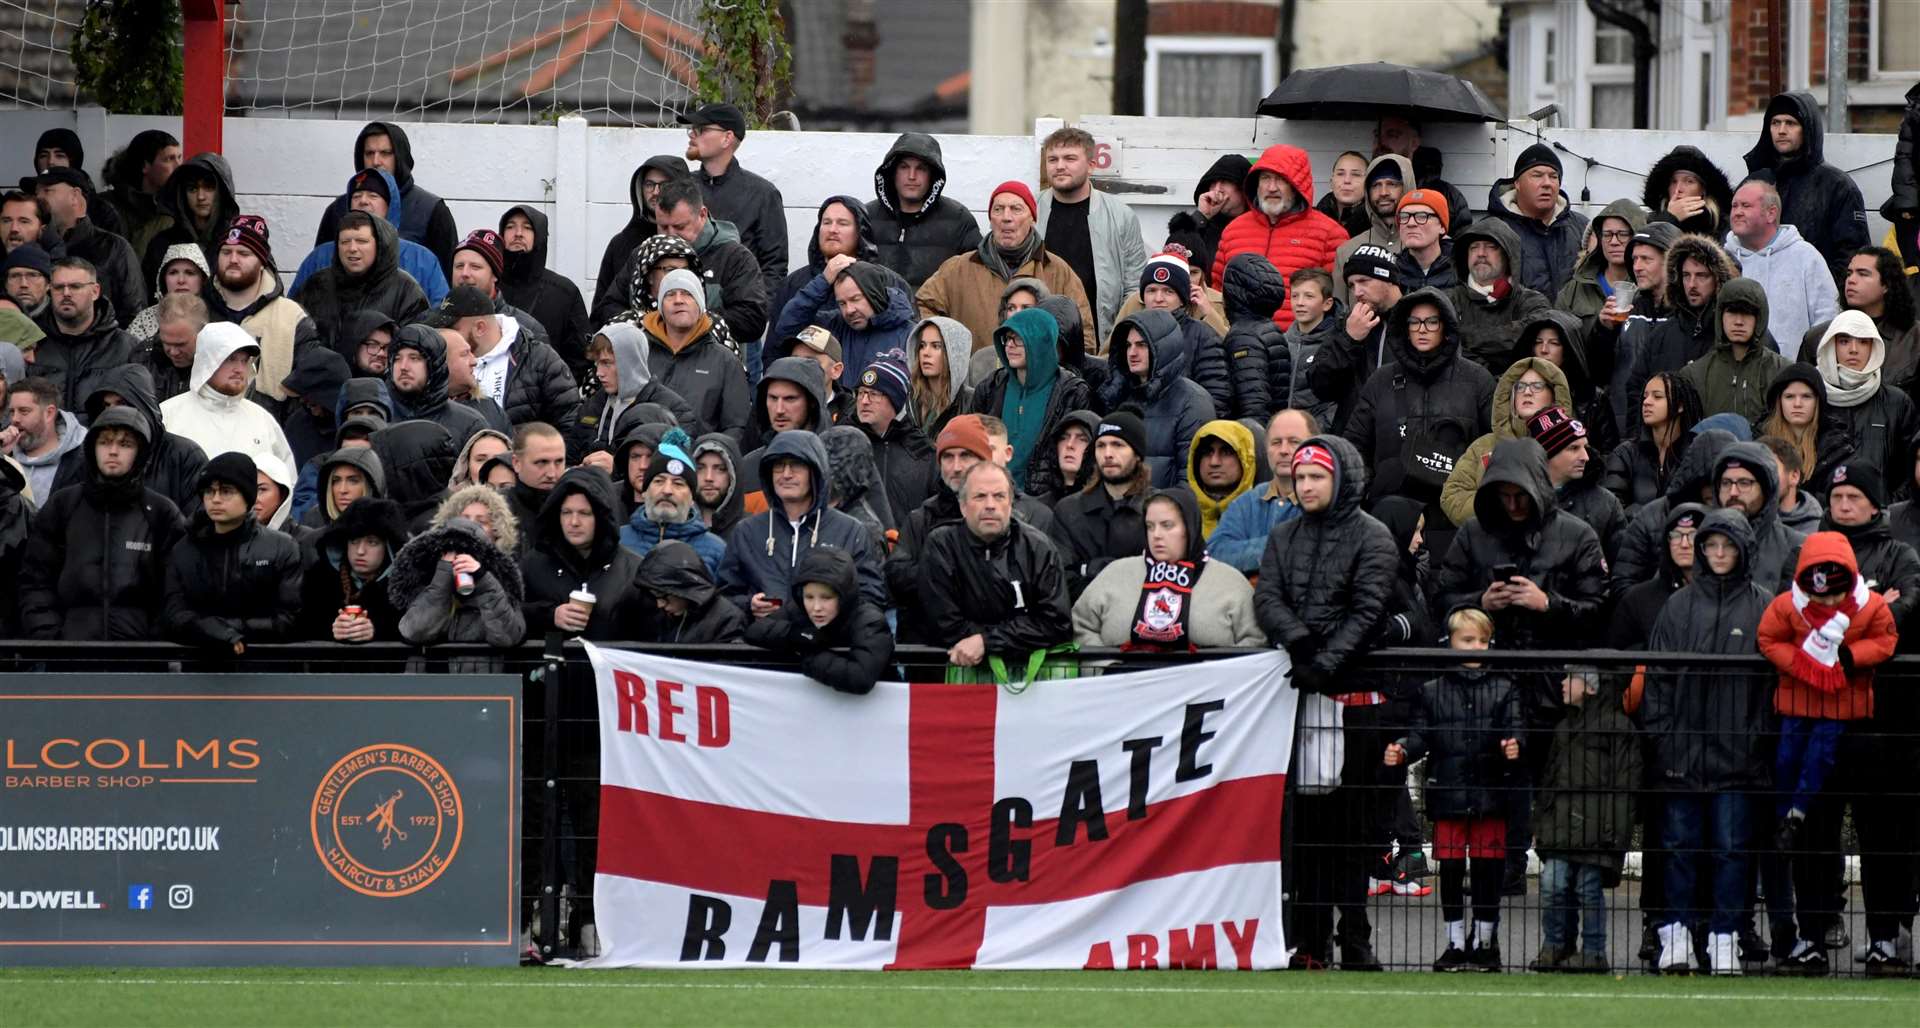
1301 238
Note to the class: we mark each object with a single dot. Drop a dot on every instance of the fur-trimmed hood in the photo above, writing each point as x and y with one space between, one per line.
417 561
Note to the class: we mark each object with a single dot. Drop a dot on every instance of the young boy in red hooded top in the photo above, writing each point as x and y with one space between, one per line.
1825 634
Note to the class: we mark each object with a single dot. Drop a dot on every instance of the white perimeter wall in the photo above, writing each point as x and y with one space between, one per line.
288 170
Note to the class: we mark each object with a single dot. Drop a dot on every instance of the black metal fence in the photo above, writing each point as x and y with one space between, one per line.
1581 811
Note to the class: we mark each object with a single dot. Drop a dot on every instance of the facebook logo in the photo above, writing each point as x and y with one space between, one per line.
139 897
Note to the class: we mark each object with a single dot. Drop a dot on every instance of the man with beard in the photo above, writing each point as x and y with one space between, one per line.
1565 441
1394 133
716 460
1097 235
751 203
246 291
217 412
173 462
1241 536
39 432
67 193
1388 178
1696 268
419 378
916 227
82 332
1283 227
671 511
25 219
551 298
642 190
28 273
1816 197
1106 523
1492 303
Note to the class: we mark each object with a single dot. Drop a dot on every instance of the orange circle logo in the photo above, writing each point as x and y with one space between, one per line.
387 820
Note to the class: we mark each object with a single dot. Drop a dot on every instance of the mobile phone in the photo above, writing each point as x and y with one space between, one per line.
1505 572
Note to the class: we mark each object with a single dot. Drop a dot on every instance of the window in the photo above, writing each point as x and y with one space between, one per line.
1706 88
1552 45
1612 106
1208 76
1895 27
1612 45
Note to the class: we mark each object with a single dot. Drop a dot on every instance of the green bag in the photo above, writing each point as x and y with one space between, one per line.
1055 663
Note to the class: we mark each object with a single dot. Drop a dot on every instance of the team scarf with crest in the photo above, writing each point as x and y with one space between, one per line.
1166 604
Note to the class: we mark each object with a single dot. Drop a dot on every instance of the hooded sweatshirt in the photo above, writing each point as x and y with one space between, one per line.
217 422
146 323
428 221
957 343
605 427
41 470
548 297
1026 400
673 569
1788 269
1380 231
763 550
1457 498
1240 439
1726 383
727 513
1173 405
415 259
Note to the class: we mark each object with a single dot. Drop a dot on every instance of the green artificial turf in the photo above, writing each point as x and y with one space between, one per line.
205 998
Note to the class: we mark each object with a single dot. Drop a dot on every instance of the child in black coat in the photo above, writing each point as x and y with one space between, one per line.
1467 723
841 640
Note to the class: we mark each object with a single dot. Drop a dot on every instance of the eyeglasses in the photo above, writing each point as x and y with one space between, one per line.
1681 535
1424 324
1415 217
71 287
1616 236
1742 484
1520 388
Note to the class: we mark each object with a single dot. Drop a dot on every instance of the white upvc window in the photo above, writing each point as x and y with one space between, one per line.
1208 76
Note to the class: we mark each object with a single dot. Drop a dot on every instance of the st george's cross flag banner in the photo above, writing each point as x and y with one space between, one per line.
760 819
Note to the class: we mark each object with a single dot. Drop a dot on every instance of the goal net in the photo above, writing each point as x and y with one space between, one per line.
618 62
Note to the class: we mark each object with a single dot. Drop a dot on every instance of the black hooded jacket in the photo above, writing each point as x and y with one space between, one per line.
174 465
1644 539
1712 220
1253 289
1711 728
639 226
332 295
417 457
904 457
1555 550
1489 325
548 296
915 245
849 653
97 565
1327 577
1410 619
172 199
1092 368
328 586
67 360
1011 591
674 569
1775 552
425 217
1174 406
317 377
1437 401
553 568
1817 198
1636 609
243 586
430 403
1045 475
1459 722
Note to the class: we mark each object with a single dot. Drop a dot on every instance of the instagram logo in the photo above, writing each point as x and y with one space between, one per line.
180 897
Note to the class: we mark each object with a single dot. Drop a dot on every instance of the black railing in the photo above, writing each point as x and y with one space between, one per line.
1846 877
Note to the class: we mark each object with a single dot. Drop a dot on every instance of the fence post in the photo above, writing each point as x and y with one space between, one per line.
568 251
553 673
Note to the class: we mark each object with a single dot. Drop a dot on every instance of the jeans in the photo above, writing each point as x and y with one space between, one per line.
1707 833
1568 888
1808 749
750 355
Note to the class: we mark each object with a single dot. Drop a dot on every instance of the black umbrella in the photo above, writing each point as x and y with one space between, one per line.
1362 92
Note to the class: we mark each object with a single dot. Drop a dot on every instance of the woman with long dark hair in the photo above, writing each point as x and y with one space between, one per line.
1638 469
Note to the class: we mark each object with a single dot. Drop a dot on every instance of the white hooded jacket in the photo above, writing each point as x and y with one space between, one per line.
218 422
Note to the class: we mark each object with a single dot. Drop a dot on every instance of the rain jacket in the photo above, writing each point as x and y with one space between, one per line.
885 336
96 567
1174 405
1711 728
763 550
430 403
849 653
1240 438
428 221
332 295
1737 385
1300 238
1580 811
1555 550
416 260
1326 576
172 469
915 245
553 569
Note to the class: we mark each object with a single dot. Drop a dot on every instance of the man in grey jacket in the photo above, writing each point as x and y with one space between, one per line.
1097 235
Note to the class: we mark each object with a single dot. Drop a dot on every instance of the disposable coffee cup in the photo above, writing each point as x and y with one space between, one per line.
582 598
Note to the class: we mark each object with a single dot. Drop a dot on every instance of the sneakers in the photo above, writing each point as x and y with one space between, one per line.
1753 950
1723 953
1412 863
1806 960
1358 956
1410 887
1454 959
1676 949
1881 962
1485 958
1380 887
1549 960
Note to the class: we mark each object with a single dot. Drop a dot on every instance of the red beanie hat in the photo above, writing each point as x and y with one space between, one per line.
1018 189
486 243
